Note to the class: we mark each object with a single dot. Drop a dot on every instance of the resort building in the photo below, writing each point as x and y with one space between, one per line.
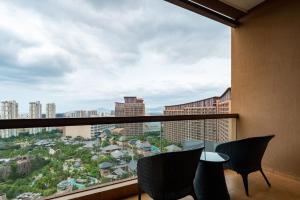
213 129
132 106
87 131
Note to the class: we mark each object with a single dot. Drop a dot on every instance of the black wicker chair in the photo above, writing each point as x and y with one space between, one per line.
168 176
245 156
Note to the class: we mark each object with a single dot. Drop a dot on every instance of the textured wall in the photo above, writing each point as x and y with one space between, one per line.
266 80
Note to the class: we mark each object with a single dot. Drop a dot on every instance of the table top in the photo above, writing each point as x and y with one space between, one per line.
214 157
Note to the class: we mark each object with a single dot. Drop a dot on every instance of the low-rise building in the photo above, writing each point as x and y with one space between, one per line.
117 154
119 172
172 148
110 148
123 141
29 196
87 131
3 196
66 185
105 168
132 166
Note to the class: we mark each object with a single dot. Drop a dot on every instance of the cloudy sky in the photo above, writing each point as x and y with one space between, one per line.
87 54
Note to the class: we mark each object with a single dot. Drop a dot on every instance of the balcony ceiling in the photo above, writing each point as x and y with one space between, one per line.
227 12
244 5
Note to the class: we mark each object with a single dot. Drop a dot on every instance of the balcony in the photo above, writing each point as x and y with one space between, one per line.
282 187
59 164
124 186
265 94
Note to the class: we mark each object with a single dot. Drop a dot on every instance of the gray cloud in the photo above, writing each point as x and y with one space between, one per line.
95 51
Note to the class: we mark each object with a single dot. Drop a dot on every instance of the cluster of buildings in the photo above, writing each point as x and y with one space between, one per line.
23 166
10 110
121 149
180 131
23 196
70 183
177 131
120 162
214 129
29 195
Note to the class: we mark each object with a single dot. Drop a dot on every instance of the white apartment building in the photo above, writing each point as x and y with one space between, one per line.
50 110
50 113
35 112
9 110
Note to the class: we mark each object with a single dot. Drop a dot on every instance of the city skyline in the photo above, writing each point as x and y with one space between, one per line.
150 49
99 109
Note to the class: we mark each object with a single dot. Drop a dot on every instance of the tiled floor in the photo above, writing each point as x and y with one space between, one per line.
283 188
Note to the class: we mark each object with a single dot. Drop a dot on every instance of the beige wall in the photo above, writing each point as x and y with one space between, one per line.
74 131
266 80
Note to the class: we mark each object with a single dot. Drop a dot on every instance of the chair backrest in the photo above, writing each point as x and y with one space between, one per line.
246 154
166 172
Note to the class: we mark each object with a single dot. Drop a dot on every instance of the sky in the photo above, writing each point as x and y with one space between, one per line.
88 54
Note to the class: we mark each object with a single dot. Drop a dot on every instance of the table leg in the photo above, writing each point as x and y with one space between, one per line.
210 182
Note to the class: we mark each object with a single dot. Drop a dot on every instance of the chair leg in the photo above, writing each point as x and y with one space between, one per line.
140 194
245 180
261 171
193 194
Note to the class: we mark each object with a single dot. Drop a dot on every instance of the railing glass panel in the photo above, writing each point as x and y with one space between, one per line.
40 162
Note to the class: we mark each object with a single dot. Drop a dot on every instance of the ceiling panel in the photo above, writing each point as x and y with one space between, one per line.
243 5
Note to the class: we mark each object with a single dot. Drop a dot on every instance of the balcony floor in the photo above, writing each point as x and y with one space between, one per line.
282 187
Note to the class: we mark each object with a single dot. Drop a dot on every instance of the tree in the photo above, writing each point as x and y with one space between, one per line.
105 143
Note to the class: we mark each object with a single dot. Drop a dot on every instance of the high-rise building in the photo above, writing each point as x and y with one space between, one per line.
35 112
132 106
50 113
9 110
51 110
214 129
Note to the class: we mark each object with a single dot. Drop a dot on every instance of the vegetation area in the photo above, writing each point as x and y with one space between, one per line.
47 169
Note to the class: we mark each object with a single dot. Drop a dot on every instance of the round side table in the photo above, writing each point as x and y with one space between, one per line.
210 181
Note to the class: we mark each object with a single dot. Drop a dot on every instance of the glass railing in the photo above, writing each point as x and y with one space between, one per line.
42 162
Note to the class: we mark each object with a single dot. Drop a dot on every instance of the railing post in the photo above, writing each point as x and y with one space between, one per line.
217 128
204 138
232 129
161 135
